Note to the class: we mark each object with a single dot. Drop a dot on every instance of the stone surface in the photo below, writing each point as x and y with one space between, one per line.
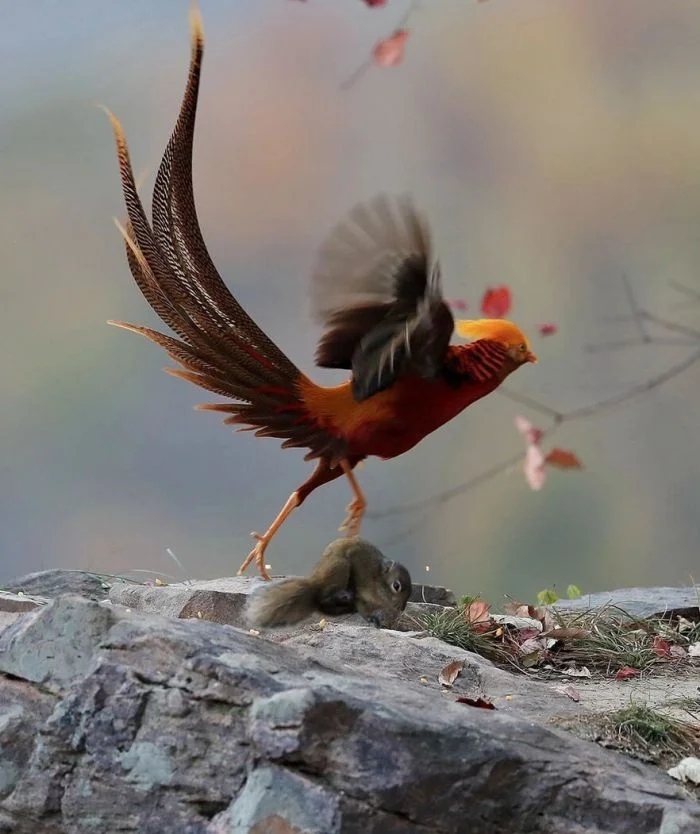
53 583
191 727
12 603
640 602
432 593
217 600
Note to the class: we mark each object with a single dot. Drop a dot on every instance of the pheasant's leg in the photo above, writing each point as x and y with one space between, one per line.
356 508
258 552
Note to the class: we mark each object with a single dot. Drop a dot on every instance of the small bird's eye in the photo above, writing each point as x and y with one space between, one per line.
396 586
522 348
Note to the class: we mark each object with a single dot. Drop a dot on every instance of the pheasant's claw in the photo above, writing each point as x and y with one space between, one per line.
355 511
257 555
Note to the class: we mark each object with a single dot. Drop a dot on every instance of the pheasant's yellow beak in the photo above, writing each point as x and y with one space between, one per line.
530 357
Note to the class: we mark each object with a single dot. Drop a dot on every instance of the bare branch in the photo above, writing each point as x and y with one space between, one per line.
421 509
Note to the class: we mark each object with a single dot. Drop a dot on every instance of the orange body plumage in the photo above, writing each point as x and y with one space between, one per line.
377 294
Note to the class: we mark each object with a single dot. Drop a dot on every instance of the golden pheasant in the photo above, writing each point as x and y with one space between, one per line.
375 290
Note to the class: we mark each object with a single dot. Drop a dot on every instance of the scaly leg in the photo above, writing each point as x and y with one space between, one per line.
356 508
257 554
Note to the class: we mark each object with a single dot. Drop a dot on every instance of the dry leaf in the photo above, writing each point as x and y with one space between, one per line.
626 673
477 612
482 703
661 647
563 459
678 652
694 650
687 770
573 672
570 691
449 673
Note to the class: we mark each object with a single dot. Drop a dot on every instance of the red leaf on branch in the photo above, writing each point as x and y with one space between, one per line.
496 302
547 329
389 51
563 459
626 673
531 433
533 467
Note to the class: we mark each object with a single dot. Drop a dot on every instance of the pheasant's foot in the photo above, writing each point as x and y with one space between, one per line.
257 555
353 522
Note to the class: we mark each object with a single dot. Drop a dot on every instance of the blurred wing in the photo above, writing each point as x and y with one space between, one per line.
379 298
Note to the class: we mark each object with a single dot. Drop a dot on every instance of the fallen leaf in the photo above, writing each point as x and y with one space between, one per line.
157 581
533 467
563 459
660 647
531 434
570 691
448 674
532 644
678 652
424 680
520 609
685 625
547 329
477 612
389 51
573 672
626 673
694 650
687 770
482 703
496 302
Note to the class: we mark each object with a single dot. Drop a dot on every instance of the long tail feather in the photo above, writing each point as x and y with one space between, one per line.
220 348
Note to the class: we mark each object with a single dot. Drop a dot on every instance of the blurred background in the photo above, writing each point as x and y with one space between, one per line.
555 148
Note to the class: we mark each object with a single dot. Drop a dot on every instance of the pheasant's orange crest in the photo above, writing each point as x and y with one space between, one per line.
500 330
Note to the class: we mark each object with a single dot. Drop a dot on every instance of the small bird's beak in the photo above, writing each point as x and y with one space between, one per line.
530 357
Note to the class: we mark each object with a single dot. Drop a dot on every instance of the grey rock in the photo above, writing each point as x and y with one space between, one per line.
217 600
435 594
54 583
54 644
19 603
191 727
639 602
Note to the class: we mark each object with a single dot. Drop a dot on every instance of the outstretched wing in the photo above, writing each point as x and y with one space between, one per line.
379 298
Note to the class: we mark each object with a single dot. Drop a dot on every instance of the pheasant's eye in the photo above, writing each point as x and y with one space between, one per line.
522 348
396 586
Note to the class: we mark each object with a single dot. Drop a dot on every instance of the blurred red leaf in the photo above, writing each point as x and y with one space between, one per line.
563 459
547 329
482 703
661 647
459 304
389 51
372 3
626 673
535 473
496 302
529 432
